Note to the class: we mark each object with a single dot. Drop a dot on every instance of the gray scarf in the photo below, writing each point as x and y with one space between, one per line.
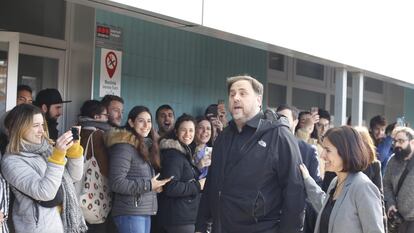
72 217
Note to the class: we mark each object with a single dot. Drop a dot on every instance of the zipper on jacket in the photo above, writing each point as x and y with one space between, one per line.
136 201
36 214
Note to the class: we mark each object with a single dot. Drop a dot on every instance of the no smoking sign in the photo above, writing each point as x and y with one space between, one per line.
111 61
110 75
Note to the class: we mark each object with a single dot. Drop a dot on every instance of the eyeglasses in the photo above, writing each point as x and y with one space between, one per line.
400 141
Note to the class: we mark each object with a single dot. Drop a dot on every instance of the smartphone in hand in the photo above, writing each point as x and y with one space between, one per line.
75 133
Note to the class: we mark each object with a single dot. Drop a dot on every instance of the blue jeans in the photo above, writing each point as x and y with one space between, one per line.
133 224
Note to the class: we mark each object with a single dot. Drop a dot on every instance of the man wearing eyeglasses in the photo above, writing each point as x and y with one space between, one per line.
399 182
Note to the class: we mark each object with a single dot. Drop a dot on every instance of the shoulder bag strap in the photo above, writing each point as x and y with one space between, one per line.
90 140
402 177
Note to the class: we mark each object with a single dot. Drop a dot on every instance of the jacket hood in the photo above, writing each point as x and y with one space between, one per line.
87 122
172 144
270 120
117 136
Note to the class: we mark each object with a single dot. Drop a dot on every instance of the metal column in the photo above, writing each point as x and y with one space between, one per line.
340 96
357 98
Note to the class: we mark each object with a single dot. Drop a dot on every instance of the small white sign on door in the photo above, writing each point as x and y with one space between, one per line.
110 75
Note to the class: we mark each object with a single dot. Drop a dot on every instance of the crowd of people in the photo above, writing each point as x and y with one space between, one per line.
281 171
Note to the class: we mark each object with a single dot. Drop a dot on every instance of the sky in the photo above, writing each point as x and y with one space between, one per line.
372 35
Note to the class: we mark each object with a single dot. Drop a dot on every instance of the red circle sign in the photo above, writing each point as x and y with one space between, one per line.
111 62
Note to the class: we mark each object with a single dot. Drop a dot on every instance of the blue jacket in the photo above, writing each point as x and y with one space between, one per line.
384 150
310 159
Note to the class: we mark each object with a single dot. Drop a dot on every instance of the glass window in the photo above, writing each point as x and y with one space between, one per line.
309 69
4 47
349 79
373 85
276 95
38 72
370 110
304 99
34 17
276 61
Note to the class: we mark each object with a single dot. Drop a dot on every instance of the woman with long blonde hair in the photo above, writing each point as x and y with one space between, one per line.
41 174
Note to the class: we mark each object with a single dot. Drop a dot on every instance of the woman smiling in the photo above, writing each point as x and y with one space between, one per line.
42 174
353 202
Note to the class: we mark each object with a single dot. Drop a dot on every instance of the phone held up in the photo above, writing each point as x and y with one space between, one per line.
75 133
208 151
401 122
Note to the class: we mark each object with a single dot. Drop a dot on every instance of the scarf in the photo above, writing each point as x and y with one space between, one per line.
72 217
90 122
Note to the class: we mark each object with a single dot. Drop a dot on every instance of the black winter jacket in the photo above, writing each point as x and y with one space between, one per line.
264 190
178 203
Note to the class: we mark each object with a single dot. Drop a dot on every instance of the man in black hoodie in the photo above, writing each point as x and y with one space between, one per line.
254 184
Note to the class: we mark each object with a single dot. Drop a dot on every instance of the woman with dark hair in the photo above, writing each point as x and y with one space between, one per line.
203 142
134 157
180 199
353 202
42 174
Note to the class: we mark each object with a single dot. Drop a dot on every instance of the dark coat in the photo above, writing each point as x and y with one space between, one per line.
129 176
263 191
52 128
310 159
373 172
178 203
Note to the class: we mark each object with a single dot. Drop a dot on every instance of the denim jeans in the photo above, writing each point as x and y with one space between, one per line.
133 224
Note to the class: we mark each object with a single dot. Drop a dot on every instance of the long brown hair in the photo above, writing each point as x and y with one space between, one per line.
151 154
366 137
18 121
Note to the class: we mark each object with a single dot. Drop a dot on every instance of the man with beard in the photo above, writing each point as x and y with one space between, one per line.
115 107
50 102
165 119
254 184
399 195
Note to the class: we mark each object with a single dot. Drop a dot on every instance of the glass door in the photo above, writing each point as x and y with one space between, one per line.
41 67
25 60
9 49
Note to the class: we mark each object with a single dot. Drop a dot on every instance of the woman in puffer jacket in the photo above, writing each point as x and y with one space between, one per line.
41 175
133 157
180 200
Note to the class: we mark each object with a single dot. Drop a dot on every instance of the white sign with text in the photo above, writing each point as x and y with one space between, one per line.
110 75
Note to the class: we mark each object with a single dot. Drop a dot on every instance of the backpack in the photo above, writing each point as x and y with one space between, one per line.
95 196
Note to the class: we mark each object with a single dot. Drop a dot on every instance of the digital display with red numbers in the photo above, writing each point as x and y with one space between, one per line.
102 31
